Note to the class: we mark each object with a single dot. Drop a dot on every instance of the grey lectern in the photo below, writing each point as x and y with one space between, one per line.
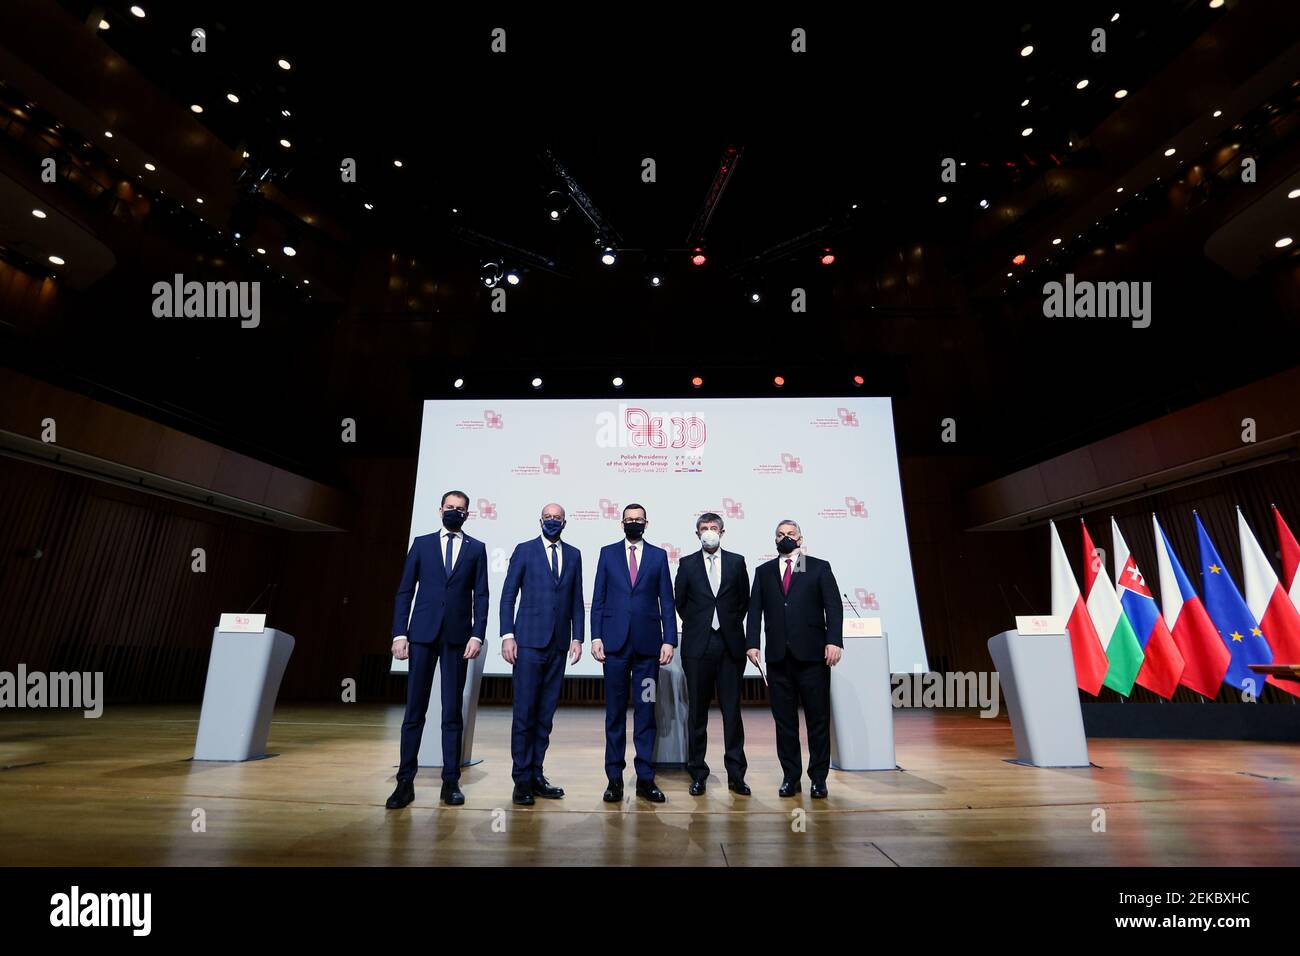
244 674
862 712
1036 672
670 716
431 740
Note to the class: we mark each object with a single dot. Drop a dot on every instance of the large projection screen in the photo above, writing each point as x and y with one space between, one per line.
829 463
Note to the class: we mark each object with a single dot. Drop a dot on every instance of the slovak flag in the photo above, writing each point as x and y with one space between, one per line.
1290 558
1270 605
1163 663
1089 656
1205 657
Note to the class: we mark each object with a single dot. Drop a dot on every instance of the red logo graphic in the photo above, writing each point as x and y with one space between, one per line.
487 509
608 509
492 418
847 417
791 462
857 509
647 430
866 599
550 466
673 553
732 508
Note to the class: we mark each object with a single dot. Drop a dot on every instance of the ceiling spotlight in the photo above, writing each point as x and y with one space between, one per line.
513 277
755 297
238 235
609 256
697 257
459 383
137 11
38 213
943 199
1114 18
1018 260
108 134
245 154
490 272
58 260
285 143
1119 189
397 163
368 205
1215 4
1027 50
289 250
696 382
285 113
232 97
1282 243
1025 101
1027 131
618 381
199 200
557 204
828 257
1056 242
150 166
261 251
306 282
284 64
1120 94
656 280
778 380
537 383
984 204
103 24
1170 151
1293 194
859 381
1009 275
1081 85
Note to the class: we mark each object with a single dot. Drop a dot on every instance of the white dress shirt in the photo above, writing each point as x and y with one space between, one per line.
559 567
456 542
714 575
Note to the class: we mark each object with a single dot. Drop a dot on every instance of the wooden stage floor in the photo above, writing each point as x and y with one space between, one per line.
121 790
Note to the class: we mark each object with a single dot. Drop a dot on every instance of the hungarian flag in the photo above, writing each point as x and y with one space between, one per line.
1123 651
1270 605
1162 664
1290 558
1238 628
1206 659
1089 657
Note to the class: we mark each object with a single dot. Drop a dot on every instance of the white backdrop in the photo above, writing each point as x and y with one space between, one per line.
830 464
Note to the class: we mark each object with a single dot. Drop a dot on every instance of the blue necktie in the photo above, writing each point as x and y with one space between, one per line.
555 571
447 560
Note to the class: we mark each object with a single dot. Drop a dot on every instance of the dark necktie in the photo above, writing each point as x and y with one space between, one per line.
447 560
785 579
555 568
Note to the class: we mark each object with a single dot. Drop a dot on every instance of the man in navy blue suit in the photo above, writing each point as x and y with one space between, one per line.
633 633
447 630
535 638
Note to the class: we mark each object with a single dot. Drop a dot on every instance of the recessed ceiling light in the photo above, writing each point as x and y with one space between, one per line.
1215 4
284 113
397 163
137 11
1119 189
1170 151
306 282
285 143
943 199
369 205
245 154
58 260
108 133
289 250
1025 101
1008 275
196 108
1282 243
38 213
103 24
1081 85
150 166
1120 94
232 97
1056 242
1114 18
261 251
459 383
199 200
1293 194
284 64
1027 50
1217 113
1027 131
984 204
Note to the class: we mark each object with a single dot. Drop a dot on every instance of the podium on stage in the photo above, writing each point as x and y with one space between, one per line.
244 671
671 716
1036 671
431 740
862 712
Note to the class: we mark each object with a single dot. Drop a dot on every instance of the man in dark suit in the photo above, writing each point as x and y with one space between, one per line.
535 639
447 630
798 602
712 594
633 633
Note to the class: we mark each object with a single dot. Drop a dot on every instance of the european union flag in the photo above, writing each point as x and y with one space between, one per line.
1237 627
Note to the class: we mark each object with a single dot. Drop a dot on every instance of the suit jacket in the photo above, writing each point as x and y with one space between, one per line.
643 614
547 605
696 602
802 622
456 606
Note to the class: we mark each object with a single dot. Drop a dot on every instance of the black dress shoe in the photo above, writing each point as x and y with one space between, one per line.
451 793
541 787
818 791
697 787
614 792
740 787
789 789
523 795
650 791
403 795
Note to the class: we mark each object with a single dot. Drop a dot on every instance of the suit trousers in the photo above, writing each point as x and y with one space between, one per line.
643 671
537 682
423 659
791 683
715 668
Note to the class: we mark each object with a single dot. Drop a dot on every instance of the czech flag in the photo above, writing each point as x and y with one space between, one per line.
1270 605
1290 558
1205 657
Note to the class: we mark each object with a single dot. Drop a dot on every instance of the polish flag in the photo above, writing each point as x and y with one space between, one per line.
1163 664
1205 657
1290 557
1089 657
1270 605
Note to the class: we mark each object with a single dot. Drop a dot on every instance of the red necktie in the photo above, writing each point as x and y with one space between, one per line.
631 563
785 578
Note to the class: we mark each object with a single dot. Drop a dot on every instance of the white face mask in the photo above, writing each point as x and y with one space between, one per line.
710 539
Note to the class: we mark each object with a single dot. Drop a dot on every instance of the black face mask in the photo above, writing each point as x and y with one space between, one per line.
454 518
634 529
787 544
